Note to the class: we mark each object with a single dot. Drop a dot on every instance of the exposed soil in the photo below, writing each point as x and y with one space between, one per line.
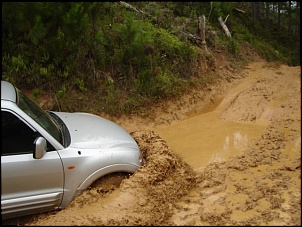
259 186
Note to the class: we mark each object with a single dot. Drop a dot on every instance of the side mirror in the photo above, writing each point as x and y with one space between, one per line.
40 147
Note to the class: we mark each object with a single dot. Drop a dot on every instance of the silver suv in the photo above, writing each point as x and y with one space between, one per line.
49 158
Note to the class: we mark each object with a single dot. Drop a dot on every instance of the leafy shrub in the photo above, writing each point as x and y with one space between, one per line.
267 52
233 47
241 33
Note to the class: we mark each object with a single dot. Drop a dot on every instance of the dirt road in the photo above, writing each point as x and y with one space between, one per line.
231 156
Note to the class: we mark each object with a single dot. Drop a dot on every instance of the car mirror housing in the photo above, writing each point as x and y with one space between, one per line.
40 147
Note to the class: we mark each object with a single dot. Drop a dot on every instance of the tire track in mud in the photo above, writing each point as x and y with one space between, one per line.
247 190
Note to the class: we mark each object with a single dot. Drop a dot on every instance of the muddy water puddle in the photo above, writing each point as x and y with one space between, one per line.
205 138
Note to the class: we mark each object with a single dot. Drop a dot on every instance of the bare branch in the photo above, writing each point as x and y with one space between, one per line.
226 18
225 28
130 7
239 10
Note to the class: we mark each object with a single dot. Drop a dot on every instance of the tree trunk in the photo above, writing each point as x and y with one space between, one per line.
267 6
289 16
225 28
202 29
298 18
279 16
255 11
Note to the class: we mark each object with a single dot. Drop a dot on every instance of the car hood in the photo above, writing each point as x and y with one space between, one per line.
92 132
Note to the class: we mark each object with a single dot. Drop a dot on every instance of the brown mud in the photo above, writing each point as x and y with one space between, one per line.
195 174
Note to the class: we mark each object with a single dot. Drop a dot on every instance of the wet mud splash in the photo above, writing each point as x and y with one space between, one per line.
144 198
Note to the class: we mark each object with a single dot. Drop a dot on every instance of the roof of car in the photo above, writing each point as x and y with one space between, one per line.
8 91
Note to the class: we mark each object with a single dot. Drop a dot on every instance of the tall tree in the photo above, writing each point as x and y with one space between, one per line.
279 16
273 10
298 19
289 10
255 10
267 6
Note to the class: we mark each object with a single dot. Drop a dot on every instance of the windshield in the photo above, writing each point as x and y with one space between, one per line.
40 116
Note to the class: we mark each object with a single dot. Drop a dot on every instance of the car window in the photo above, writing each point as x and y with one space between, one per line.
17 137
40 116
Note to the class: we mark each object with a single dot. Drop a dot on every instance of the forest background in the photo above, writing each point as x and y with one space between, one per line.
118 57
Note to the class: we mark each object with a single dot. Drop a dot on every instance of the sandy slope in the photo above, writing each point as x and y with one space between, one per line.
260 186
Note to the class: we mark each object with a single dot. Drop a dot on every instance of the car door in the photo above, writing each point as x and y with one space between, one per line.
28 185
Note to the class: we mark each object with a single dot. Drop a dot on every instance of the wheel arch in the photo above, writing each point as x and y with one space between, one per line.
127 168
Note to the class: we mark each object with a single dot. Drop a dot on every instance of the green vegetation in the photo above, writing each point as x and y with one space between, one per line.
124 57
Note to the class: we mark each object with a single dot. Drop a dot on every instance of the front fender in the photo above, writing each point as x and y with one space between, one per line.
90 165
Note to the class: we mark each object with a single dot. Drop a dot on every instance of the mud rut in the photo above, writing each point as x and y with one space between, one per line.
260 187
